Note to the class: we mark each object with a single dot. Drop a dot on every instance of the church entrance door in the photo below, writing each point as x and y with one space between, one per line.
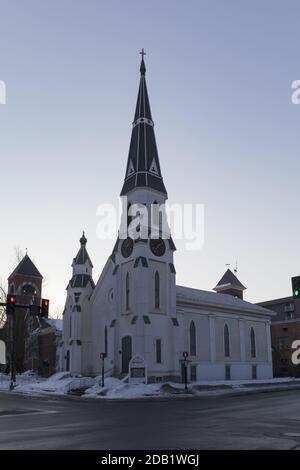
126 353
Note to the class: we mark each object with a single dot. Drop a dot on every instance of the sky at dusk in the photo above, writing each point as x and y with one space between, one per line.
219 78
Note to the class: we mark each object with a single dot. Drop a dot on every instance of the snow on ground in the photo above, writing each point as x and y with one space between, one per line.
62 383
33 384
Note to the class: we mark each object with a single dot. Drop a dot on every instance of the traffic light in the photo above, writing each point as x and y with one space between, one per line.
296 287
10 303
45 308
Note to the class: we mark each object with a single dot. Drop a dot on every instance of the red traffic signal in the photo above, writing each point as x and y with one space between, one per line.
11 299
103 355
10 303
45 308
185 354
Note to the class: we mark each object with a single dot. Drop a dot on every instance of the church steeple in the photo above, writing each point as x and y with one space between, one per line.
143 168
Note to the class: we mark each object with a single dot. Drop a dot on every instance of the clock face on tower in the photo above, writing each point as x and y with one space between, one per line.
127 247
157 246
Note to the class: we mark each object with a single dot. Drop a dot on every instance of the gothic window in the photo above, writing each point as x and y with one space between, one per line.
157 217
129 218
127 292
157 290
105 340
252 343
226 341
158 351
192 339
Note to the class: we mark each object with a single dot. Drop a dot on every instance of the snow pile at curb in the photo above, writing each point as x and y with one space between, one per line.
33 384
62 383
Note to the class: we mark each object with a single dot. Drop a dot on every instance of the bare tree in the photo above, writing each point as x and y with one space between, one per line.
57 314
19 254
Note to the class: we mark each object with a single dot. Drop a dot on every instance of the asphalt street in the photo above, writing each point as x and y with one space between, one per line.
261 421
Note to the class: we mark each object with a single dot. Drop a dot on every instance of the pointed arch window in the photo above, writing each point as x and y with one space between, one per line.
252 343
226 341
156 290
127 291
129 218
192 339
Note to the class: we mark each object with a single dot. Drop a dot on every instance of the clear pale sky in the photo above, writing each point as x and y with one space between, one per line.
219 78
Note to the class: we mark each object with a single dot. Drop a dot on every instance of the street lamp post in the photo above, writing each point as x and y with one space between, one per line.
102 357
185 355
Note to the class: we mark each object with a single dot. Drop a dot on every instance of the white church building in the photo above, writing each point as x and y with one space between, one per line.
136 308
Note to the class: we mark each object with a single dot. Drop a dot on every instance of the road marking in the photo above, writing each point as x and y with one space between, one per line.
17 413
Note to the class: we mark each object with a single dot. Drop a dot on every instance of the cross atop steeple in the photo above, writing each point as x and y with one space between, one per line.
143 67
143 53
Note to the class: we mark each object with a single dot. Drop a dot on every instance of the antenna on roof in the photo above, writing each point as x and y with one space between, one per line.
236 268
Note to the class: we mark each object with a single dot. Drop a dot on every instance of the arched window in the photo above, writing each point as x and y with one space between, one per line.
105 340
252 343
226 341
129 218
192 339
28 289
127 292
156 290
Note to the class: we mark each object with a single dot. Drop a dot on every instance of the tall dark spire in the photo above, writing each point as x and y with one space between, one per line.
143 168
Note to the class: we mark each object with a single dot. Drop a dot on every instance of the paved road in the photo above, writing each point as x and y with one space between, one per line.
262 421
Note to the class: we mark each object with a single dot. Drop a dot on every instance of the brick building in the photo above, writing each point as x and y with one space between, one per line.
36 339
42 346
25 283
285 328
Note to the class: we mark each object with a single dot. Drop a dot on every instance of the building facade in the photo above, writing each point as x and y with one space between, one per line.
285 328
136 308
25 283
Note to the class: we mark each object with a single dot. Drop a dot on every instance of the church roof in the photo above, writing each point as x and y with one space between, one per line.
230 281
82 256
143 168
220 301
81 280
26 268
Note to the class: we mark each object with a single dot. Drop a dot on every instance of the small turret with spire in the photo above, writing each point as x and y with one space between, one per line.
82 265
